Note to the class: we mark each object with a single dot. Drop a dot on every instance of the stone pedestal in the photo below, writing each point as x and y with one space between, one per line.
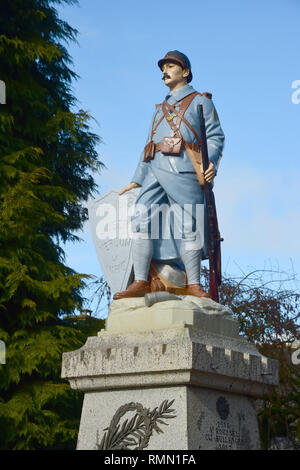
174 376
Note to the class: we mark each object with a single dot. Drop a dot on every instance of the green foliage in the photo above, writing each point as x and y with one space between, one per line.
37 410
47 157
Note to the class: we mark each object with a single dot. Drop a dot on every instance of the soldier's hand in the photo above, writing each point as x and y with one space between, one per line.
210 172
129 187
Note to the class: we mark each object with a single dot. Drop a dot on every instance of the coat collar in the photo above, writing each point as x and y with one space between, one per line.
179 94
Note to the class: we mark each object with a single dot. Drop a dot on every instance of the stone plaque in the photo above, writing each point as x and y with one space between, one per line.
110 220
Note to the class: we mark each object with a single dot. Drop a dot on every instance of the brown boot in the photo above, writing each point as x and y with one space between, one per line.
136 289
196 290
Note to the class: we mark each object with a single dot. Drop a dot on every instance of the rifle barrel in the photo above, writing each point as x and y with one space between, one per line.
214 239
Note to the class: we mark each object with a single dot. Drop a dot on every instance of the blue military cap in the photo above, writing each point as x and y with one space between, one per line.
179 58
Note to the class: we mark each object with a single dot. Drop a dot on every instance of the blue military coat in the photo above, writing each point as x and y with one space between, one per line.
176 174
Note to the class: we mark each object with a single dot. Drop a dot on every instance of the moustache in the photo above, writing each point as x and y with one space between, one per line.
165 76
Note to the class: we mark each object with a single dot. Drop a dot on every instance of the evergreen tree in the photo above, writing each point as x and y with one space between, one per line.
47 156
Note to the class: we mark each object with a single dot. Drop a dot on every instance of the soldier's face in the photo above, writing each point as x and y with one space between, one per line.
174 75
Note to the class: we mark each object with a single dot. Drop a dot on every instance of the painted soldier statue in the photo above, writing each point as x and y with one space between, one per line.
167 176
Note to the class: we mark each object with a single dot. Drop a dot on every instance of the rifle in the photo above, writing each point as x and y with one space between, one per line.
214 238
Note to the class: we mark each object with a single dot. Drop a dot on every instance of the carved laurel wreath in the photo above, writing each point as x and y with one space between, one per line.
134 434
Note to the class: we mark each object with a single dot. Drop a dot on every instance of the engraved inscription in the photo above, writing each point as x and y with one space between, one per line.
228 435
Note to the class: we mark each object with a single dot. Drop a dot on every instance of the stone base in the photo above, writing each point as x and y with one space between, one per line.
183 379
133 316
203 419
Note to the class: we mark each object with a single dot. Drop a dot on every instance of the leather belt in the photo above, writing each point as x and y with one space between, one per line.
192 145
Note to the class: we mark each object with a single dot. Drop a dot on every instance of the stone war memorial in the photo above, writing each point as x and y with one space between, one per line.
170 371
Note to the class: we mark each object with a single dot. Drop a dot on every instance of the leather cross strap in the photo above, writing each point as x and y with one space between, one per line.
180 115
151 148
174 128
184 104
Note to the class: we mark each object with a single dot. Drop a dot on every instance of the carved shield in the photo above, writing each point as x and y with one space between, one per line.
109 217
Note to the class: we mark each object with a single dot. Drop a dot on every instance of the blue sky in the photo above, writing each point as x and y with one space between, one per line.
247 55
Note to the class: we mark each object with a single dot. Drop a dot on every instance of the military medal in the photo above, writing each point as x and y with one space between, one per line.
171 116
